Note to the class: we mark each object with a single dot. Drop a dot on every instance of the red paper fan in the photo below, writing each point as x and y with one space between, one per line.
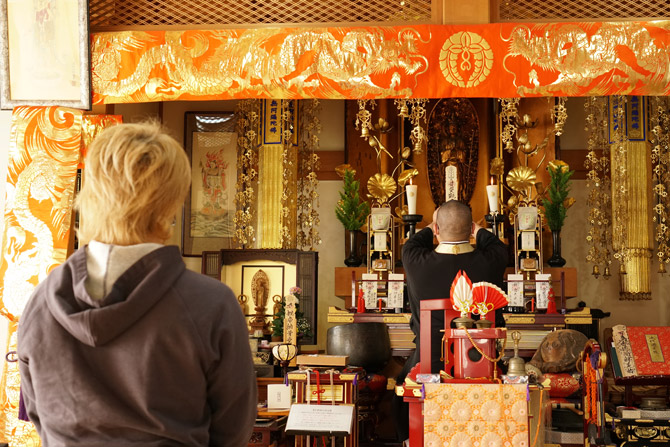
487 297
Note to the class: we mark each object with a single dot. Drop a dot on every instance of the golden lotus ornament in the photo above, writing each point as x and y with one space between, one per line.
341 169
558 165
497 166
521 178
381 187
406 175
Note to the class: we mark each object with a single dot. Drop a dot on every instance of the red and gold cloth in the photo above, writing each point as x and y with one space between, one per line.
475 415
45 149
421 61
651 349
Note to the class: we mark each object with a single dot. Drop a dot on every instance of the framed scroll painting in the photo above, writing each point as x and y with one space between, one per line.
45 54
210 142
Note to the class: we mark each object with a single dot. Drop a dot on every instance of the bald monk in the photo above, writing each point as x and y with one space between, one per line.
430 271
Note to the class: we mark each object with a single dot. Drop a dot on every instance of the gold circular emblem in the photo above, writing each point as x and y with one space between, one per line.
466 59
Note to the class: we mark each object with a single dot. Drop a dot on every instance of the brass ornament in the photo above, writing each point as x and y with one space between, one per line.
508 115
660 159
418 134
598 183
308 218
521 178
341 169
559 114
248 113
381 187
406 175
497 166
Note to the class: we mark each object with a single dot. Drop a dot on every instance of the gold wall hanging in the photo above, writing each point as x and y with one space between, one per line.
248 112
598 183
631 195
277 185
308 163
660 158
277 170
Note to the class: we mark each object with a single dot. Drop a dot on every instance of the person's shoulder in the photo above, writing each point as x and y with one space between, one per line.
197 282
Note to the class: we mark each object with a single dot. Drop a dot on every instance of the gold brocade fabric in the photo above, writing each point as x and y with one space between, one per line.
45 147
471 415
421 61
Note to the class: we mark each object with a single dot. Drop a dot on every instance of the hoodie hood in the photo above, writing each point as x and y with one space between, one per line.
136 291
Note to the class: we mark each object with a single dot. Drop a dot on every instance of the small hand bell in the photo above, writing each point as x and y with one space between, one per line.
516 365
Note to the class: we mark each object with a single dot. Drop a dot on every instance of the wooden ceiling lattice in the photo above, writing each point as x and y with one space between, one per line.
580 10
131 14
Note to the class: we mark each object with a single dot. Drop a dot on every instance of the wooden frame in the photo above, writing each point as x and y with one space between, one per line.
210 141
306 275
45 54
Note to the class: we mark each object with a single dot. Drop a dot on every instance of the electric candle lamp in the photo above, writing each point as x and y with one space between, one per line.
411 191
492 193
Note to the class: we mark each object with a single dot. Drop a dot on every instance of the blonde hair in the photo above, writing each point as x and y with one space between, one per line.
135 180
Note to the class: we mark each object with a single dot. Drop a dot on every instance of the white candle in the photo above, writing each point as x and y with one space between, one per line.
410 190
492 193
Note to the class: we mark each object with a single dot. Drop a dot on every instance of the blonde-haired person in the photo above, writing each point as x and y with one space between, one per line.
122 345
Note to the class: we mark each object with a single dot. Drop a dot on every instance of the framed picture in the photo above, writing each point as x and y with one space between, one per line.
45 53
210 141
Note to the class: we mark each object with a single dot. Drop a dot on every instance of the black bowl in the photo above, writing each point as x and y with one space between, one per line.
367 344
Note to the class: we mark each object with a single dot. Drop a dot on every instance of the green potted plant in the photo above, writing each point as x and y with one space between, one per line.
351 211
556 206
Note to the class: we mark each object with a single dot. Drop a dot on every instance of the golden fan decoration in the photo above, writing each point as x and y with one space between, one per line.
381 187
487 297
461 293
521 178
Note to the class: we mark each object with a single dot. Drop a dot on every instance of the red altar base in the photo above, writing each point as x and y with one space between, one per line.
344 391
468 361
412 394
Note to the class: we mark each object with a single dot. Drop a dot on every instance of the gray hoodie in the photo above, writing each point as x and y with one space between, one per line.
162 360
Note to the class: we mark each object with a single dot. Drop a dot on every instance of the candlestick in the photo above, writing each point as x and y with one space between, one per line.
411 191
492 193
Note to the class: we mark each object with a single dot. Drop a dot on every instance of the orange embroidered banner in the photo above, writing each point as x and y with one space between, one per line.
424 61
44 152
